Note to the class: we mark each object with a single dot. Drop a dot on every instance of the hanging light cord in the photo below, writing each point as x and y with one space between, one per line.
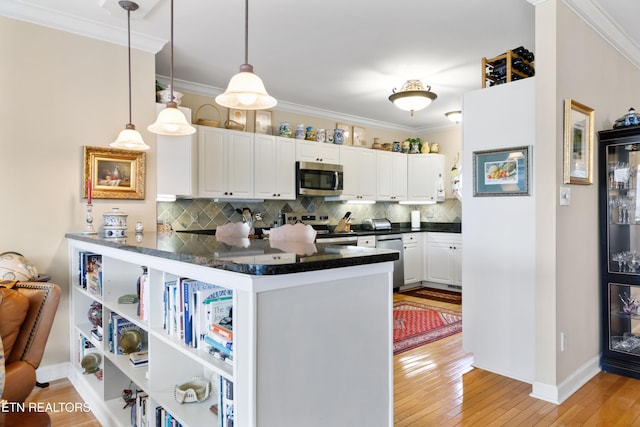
171 99
129 44
246 31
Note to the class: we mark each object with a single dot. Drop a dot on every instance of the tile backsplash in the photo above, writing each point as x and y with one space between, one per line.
205 214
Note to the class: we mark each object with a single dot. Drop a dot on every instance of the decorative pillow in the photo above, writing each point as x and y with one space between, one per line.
13 310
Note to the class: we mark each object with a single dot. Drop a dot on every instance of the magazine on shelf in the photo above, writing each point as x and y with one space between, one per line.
90 274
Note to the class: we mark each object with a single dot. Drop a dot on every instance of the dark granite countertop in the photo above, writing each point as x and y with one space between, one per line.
247 256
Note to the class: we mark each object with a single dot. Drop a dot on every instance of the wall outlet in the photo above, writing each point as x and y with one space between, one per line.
564 342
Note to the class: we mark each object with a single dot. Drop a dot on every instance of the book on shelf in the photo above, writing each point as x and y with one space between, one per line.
90 272
172 308
204 304
139 358
94 274
144 294
141 410
225 403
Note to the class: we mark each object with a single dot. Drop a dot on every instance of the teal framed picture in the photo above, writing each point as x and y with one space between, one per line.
502 172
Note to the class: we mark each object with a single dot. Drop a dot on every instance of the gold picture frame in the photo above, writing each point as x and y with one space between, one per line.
346 132
114 173
239 117
578 143
263 122
359 136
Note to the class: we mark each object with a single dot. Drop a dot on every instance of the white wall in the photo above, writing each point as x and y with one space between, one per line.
60 92
498 237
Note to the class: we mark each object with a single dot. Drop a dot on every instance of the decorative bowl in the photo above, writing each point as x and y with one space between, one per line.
195 390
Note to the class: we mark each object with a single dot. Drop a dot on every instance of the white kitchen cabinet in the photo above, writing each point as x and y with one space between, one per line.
444 258
226 163
425 177
391 180
275 167
318 152
177 162
413 257
359 173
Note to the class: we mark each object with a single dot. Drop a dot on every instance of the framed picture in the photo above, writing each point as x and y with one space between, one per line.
238 116
346 132
578 143
501 172
263 122
113 173
359 136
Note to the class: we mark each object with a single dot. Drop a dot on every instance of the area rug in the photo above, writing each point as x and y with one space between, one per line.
416 324
435 294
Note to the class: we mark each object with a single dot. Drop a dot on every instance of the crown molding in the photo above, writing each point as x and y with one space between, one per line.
72 24
204 90
602 24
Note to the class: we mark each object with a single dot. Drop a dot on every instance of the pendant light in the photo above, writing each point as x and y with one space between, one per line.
129 138
171 121
413 96
246 90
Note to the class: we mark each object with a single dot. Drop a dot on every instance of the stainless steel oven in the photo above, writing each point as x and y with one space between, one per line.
318 179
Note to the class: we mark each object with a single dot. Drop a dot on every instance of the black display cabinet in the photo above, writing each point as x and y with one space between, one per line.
619 210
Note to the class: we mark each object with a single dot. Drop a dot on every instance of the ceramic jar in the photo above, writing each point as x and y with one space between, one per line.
338 136
415 147
320 135
115 223
300 131
425 148
285 129
309 135
435 147
329 136
405 147
396 146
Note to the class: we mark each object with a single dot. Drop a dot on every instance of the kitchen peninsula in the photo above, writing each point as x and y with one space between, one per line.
312 330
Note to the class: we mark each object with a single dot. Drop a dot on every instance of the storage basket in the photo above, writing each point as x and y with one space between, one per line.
233 125
208 122
195 390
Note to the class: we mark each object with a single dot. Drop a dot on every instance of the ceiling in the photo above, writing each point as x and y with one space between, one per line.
331 58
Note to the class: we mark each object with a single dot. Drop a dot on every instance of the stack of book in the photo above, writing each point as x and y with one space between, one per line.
201 314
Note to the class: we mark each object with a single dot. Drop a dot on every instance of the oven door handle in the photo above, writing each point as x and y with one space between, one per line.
336 180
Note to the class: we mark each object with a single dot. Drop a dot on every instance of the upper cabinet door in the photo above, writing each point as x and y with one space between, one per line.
275 162
212 143
240 164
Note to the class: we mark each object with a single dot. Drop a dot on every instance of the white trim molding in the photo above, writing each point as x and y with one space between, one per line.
558 394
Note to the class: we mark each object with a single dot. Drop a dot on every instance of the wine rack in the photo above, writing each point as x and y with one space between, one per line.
510 66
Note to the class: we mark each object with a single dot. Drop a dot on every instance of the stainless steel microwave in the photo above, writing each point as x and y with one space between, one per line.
318 179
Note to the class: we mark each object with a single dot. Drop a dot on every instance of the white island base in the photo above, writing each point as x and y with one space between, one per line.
311 348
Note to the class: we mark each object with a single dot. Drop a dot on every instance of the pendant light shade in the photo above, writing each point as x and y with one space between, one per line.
129 138
413 96
171 121
246 90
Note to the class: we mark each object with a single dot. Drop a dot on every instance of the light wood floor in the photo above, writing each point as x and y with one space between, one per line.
435 385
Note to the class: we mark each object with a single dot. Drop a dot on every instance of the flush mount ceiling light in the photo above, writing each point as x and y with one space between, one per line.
413 96
246 90
171 121
129 138
454 116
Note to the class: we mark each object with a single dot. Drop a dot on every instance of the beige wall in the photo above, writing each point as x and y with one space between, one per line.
61 92
573 62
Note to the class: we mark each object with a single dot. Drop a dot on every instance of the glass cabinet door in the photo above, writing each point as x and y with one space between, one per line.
623 216
624 318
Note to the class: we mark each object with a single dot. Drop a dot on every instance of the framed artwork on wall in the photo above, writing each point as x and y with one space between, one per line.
263 122
359 136
113 173
578 143
502 172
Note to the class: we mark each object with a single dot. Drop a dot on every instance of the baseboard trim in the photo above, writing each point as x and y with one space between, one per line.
560 393
53 372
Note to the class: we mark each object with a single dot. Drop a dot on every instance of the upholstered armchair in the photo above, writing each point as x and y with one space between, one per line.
26 314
